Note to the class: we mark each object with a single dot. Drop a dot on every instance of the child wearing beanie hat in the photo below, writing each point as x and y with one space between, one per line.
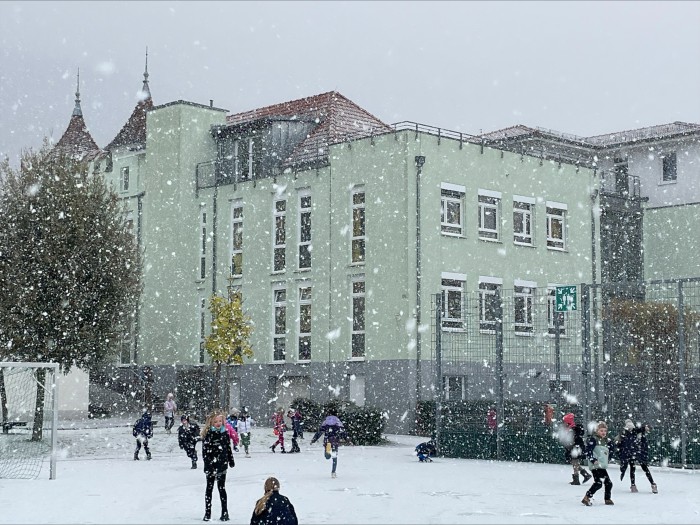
598 450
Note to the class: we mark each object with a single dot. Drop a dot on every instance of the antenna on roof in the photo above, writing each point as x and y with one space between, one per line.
77 111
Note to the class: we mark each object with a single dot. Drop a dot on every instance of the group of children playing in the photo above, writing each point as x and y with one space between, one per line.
630 446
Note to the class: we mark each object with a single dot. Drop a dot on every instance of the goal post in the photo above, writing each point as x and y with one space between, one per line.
28 409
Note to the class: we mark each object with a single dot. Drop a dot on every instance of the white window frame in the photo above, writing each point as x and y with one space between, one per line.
525 207
203 243
552 311
452 195
279 245
489 202
356 389
358 225
236 241
279 305
124 179
557 214
304 302
525 292
251 149
358 332
487 290
460 382
304 245
452 288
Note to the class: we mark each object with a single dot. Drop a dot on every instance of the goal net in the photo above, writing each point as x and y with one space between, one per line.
29 419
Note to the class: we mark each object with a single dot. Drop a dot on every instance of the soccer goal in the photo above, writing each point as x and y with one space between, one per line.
29 418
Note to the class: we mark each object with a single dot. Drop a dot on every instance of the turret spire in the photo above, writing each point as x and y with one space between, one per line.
146 91
77 110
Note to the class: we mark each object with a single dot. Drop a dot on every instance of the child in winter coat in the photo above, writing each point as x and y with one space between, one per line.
273 508
279 427
634 449
425 451
333 431
217 456
169 408
233 434
245 425
599 448
295 416
187 438
142 431
573 448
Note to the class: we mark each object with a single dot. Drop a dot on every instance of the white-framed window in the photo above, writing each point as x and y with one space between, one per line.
552 312
452 208
523 303
556 225
279 323
455 388
279 235
356 389
237 238
670 167
357 344
489 215
126 354
202 307
124 179
452 299
243 164
357 255
202 243
564 383
304 322
489 302
523 220
304 222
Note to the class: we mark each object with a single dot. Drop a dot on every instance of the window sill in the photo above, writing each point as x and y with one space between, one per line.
667 182
302 270
356 264
524 244
356 359
454 235
525 334
239 276
457 330
491 240
303 362
554 249
278 362
278 272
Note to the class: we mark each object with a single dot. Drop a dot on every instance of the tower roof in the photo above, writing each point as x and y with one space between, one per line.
133 133
76 141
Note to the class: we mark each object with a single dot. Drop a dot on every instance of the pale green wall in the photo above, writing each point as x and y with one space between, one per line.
672 242
178 137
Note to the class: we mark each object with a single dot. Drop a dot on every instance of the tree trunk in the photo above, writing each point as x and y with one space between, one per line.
217 385
37 431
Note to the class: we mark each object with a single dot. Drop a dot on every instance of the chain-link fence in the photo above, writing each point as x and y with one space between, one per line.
512 365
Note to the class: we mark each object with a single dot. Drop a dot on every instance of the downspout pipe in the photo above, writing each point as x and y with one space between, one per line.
420 161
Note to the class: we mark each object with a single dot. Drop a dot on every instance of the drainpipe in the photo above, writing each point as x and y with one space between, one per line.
213 238
420 161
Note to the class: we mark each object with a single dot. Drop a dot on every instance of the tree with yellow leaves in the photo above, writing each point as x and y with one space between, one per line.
229 339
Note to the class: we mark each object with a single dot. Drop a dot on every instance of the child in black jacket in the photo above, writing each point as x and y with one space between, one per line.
142 431
218 457
187 438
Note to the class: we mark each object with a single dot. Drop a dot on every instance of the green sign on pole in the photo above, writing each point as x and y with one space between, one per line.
565 298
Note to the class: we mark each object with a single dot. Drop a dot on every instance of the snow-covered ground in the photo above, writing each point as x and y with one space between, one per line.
99 482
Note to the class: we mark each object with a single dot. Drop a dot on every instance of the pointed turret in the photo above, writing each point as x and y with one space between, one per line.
76 141
133 133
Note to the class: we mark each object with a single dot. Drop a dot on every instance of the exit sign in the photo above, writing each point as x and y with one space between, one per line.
565 299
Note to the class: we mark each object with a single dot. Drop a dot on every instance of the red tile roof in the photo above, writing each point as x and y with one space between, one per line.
134 131
339 119
76 141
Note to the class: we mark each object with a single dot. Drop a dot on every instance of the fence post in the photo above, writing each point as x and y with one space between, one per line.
681 373
500 412
439 390
586 341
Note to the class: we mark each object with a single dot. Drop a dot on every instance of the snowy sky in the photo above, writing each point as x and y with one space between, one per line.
578 67
98 482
